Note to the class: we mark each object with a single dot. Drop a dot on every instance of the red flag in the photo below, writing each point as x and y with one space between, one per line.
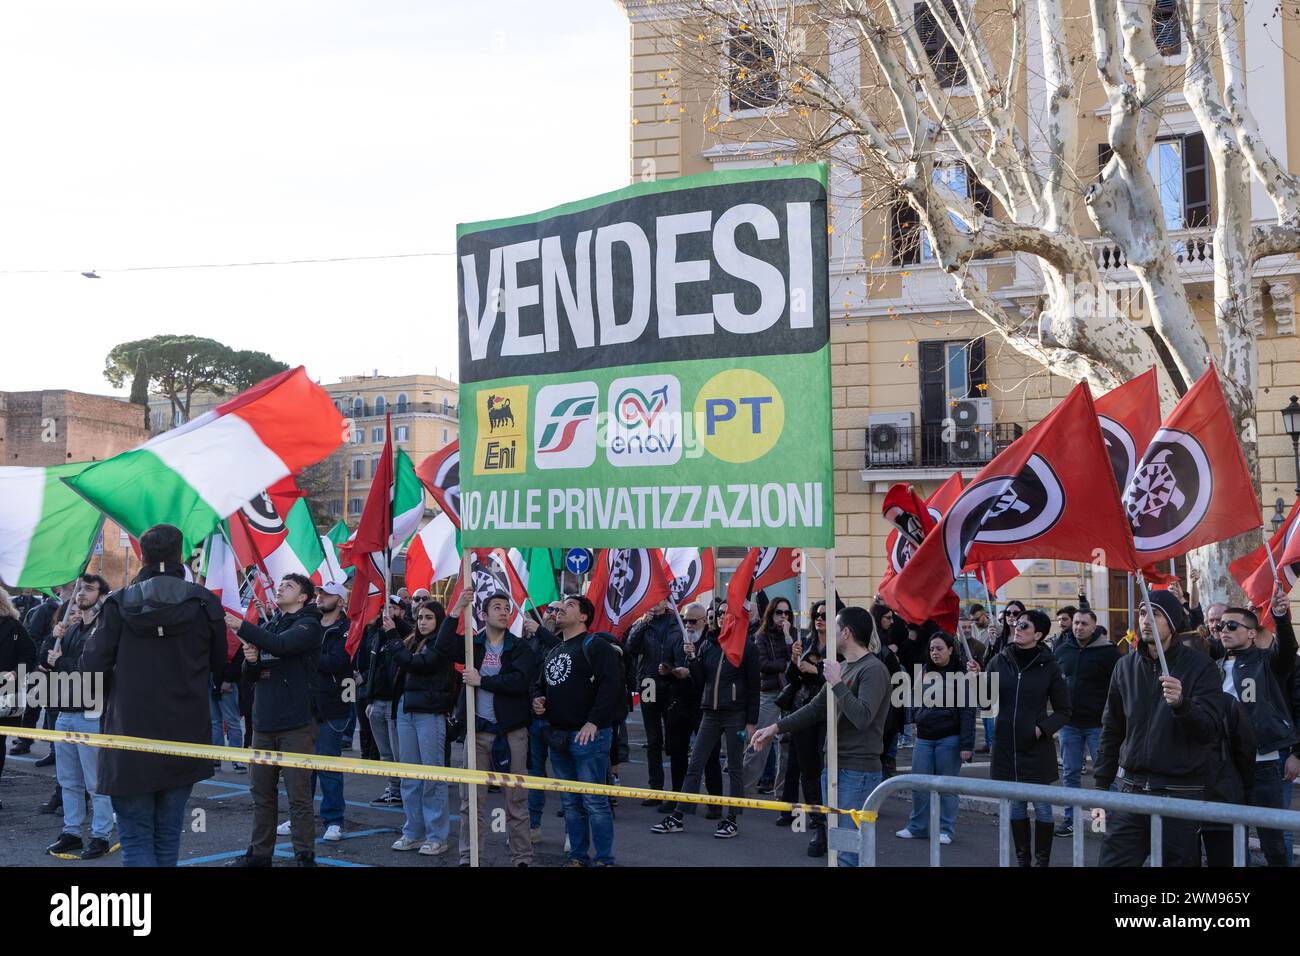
735 622
1192 486
1039 498
900 547
1254 572
1129 417
370 552
691 572
776 565
626 583
492 571
440 474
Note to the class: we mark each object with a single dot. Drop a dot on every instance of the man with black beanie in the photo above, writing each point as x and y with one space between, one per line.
1161 730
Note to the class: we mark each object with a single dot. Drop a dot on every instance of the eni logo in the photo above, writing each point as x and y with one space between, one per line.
743 415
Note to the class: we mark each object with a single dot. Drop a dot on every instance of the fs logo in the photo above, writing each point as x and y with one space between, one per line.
564 435
905 545
501 446
743 415
645 421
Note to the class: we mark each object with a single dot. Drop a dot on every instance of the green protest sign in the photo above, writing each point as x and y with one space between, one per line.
650 367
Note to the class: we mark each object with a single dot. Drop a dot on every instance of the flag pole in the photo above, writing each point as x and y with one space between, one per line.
471 731
1151 617
832 735
1272 561
261 608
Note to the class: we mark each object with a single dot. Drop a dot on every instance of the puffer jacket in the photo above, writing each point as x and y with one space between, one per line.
944 719
427 678
1023 748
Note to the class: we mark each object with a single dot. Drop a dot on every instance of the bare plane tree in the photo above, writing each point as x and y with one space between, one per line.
892 132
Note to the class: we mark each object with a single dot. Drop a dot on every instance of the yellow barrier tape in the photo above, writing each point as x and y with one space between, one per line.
381 768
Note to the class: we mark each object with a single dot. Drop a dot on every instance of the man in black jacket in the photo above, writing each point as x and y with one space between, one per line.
335 692
38 620
578 691
1087 659
1258 678
1161 730
500 676
283 655
648 642
72 699
160 633
729 698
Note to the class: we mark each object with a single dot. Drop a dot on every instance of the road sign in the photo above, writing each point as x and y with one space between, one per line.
577 561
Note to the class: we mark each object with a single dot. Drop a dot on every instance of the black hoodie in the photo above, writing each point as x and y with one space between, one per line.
286 675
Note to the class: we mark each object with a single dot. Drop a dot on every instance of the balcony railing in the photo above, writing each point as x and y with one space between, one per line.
935 446
410 408
1193 250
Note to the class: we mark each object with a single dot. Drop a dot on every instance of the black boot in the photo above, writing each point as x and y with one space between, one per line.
817 845
1042 843
1020 836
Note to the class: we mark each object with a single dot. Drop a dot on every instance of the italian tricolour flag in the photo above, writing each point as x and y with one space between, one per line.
204 471
46 529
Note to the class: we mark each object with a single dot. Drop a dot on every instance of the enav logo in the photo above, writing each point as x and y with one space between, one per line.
502 445
564 434
645 421
743 415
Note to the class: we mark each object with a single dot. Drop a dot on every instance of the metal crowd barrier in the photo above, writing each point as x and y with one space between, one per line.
1157 808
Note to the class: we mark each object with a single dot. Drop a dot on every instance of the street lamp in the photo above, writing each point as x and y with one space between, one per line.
1291 425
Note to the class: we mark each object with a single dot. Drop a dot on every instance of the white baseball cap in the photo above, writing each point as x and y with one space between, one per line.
334 588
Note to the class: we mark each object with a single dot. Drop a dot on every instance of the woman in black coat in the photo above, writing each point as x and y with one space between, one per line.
803 680
16 648
1029 678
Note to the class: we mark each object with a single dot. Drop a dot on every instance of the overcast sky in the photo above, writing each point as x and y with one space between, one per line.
161 132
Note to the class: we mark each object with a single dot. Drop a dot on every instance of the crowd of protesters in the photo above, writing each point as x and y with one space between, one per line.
554 701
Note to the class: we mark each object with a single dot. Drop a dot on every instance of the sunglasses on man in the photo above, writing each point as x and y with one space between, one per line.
1233 626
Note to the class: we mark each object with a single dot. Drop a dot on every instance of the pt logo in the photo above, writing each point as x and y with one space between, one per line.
564 435
501 445
1005 509
645 421
1169 493
743 415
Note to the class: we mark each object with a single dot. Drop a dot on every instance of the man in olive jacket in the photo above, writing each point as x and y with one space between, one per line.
158 643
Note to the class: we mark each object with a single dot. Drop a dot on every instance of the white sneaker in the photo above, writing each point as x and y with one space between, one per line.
333 833
402 843
284 829
566 844
945 839
906 834
433 849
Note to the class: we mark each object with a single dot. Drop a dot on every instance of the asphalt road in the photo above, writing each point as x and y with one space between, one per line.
221 818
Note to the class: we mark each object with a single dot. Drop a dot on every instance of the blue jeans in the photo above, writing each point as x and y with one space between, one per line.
854 788
537 768
1020 811
75 766
1268 793
587 818
422 739
988 732
150 826
1074 741
941 757
329 743
1286 798
225 710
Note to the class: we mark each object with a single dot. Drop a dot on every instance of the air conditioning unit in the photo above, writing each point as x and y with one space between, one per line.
973 441
891 439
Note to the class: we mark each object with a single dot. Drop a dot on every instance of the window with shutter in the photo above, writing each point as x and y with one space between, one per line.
1165 27
943 58
934 400
1196 182
977 373
753 83
904 234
